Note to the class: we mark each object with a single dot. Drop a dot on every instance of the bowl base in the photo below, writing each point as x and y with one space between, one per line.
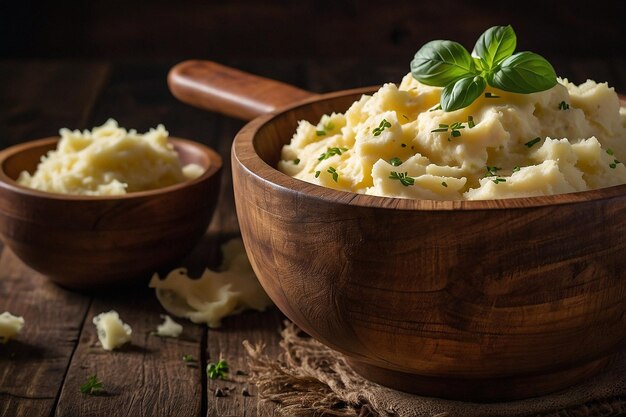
481 390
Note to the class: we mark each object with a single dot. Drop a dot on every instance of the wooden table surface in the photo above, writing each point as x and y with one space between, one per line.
41 371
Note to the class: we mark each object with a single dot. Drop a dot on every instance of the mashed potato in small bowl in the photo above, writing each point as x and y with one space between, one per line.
108 206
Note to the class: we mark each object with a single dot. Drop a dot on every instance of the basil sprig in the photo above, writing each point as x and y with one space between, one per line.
492 62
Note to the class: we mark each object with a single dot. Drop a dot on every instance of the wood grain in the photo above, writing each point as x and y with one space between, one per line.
227 343
226 90
33 366
146 377
488 294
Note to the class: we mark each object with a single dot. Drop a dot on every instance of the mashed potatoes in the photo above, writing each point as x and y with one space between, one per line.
109 160
398 143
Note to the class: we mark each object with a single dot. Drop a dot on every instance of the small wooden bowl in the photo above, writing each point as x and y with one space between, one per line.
86 242
470 300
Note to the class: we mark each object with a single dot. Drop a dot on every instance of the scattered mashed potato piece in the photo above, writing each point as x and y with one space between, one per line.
112 332
10 326
109 160
397 143
214 295
169 328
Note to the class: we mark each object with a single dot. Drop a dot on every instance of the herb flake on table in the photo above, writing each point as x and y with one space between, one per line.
217 370
93 386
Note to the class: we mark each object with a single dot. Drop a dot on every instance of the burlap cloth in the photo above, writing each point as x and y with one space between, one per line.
310 379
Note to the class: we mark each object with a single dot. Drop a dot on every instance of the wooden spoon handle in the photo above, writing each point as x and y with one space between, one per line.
226 90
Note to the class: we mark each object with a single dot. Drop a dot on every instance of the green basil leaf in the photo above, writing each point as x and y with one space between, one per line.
524 72
462 93
480 64
495 44
439 63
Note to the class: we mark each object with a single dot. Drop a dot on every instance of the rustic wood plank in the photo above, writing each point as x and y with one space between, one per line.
145 378
36 99
227 343
33 365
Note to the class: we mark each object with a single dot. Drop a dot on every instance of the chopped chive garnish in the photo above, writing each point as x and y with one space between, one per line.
470 122
499 180
317 173
492 171
403 145
515 169
381 127
563 106
395 161
437 107
296 161
331 152
403 177
188 358
405 116
444 184
454 129
491 95
334 173
328 126
609 151
530 143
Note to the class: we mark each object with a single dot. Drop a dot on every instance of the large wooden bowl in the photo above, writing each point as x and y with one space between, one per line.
472 300
86 242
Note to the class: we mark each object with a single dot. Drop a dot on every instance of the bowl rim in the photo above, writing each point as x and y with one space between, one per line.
6 182
244 154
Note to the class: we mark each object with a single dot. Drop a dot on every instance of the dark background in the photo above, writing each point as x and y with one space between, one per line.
51 52
325 30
